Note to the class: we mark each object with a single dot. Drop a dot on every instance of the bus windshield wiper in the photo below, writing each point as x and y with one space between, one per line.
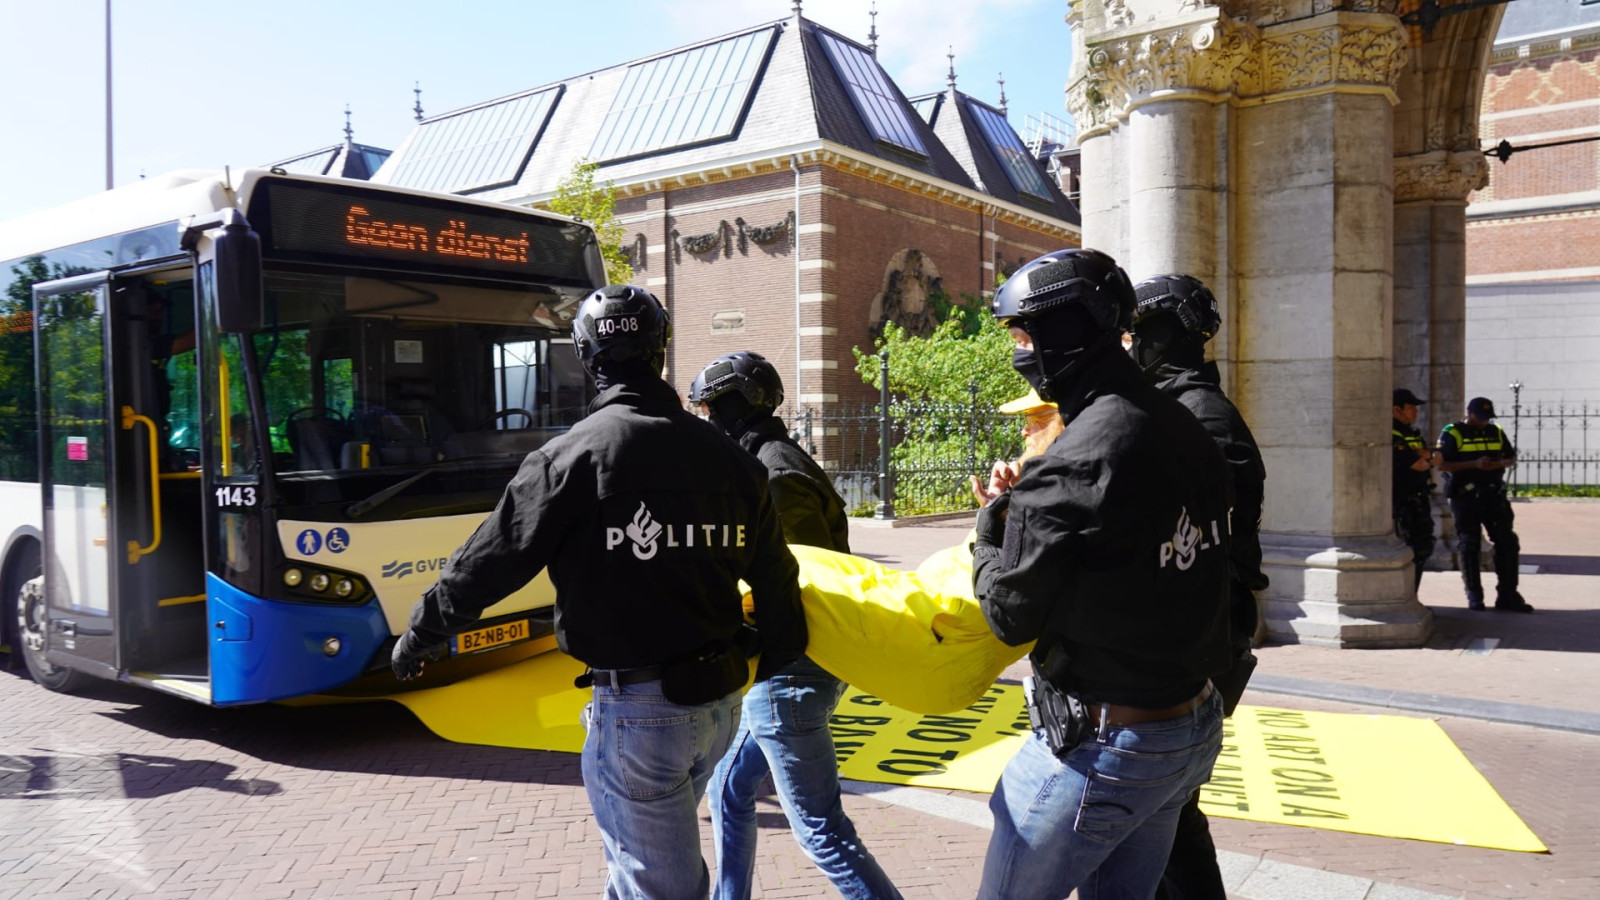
361 507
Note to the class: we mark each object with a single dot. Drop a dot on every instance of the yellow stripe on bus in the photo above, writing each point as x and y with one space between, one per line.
179 601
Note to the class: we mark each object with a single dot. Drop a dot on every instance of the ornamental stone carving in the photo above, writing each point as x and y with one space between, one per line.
1439 176
1224 57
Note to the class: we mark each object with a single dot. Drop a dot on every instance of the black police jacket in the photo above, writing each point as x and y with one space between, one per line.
1200 392
1115 555
811 510
1408 482
647 518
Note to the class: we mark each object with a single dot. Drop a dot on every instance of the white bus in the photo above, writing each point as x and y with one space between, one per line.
244 419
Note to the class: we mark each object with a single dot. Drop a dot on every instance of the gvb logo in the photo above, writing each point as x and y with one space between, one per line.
404 568
646 536
1187 542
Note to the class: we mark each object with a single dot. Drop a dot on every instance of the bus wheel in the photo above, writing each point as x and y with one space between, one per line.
30 634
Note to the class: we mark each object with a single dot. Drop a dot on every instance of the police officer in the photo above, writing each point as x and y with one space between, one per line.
647 518
1111 552
1413 481
784 727
1174 317
1474 455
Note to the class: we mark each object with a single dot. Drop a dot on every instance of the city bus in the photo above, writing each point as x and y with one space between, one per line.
246 417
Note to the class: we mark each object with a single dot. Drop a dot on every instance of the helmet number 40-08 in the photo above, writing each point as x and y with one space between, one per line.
616 324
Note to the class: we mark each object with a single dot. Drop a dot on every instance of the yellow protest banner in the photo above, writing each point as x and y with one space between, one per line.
1370 774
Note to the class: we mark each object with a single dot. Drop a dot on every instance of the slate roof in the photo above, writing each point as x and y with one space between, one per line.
953 116
346 160
796 98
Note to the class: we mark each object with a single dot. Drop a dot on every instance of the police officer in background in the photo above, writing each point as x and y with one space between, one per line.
647 518
1110 551
784 728
1474 455
1174 317
1413 480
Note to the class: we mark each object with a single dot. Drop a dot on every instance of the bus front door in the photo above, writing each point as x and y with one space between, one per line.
77 441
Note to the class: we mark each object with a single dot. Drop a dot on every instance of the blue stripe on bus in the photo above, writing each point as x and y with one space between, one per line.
270 650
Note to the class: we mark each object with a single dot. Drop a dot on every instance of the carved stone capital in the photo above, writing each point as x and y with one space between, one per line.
1439 175
1210 54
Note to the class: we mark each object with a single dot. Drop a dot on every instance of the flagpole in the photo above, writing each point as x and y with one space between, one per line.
109 183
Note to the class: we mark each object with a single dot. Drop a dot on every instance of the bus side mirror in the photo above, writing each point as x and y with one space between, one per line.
238 254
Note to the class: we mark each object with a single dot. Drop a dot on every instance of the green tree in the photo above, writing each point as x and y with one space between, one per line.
578 195
944 431
968 347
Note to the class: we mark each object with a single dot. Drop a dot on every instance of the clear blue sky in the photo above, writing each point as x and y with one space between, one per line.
207 84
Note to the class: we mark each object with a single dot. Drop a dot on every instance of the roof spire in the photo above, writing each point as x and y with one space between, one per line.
797 7
417 89
349 133
951 54
872 34
1003 110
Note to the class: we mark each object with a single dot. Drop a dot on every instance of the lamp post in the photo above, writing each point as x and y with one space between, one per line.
885 481
1516 420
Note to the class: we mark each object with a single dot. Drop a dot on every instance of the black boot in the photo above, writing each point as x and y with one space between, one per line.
1512 602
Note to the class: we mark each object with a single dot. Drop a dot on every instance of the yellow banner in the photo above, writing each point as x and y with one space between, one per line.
1369 774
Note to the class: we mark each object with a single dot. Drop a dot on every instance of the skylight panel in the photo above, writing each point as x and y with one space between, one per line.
690 97
476 149
928 108
1019 164
876 100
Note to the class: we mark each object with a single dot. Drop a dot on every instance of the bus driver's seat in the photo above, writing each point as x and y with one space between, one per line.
315 436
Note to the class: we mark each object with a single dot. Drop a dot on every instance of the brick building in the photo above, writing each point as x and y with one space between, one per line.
779 191
1533 233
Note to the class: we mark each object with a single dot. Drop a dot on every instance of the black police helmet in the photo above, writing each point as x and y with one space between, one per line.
1088 278
750 374
1185 296
621 322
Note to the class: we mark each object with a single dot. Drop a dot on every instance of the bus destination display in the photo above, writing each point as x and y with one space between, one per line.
351 226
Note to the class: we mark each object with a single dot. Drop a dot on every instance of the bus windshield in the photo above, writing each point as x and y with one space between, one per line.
367 380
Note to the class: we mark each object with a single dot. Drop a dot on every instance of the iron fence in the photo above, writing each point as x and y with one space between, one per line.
932 450
1556 449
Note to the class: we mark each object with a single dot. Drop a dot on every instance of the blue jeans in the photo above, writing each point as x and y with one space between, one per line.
1101 821
646 761
784 730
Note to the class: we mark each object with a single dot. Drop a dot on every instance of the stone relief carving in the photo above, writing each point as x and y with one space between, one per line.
707 243
1227 56
725 236
1439 175
910 280
636 251
765 235
1117 14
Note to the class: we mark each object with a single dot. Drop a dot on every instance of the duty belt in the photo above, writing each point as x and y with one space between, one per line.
615 678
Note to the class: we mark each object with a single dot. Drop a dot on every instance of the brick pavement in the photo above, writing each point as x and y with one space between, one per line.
120 792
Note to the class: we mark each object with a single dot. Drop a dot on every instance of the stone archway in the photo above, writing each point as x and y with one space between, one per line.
1289 152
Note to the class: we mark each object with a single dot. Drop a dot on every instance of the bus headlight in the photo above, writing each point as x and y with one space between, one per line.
307 583
331 646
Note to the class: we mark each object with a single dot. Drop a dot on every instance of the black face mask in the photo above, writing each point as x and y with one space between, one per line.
1026 362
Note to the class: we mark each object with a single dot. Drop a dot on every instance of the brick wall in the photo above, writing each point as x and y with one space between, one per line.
851 224
1528 101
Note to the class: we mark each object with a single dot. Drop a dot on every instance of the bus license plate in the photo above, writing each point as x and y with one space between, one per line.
482 639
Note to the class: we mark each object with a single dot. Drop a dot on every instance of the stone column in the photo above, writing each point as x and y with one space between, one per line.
1287 210
1430 197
